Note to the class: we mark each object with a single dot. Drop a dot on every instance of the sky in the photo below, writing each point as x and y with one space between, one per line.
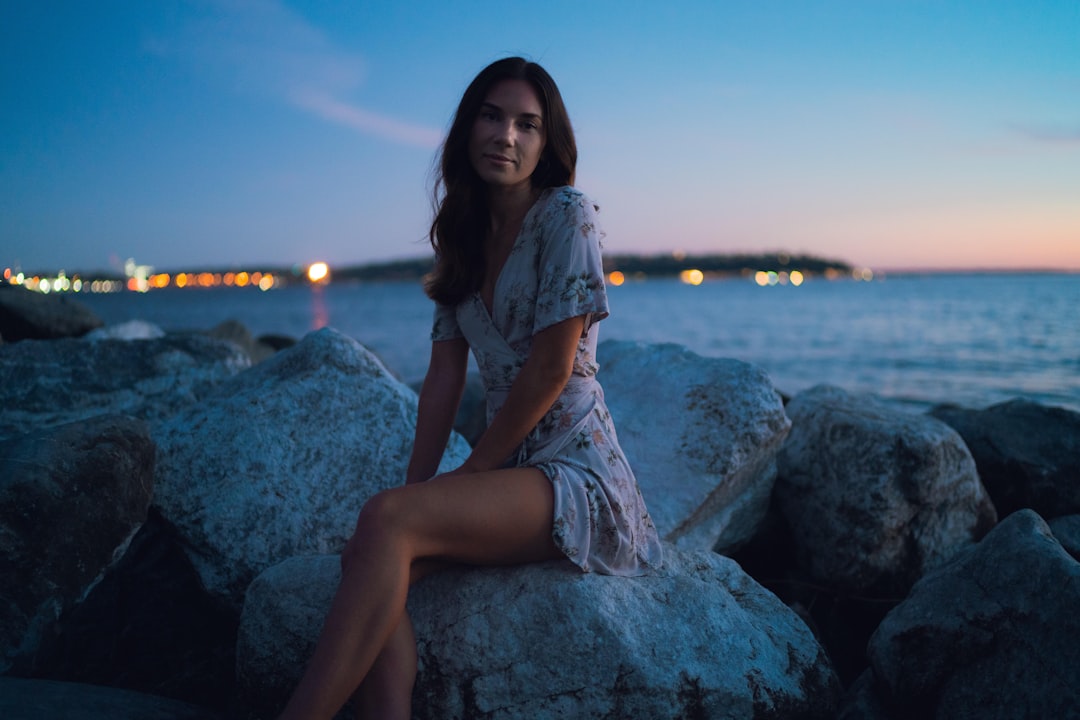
245 133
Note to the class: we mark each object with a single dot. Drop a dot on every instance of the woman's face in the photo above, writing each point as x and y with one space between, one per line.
508 134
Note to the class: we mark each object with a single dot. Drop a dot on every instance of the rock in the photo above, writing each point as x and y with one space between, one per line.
150 626
48 383
1028 455
842 622
29 315
283 613
861 702
874 496
279 461
1067 531
700 640
39 699
991 634
235 332
70 499
701 435
130 330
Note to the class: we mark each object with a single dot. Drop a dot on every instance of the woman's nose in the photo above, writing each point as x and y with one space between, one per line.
506 133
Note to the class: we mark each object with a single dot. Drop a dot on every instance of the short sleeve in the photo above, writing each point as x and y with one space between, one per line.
571 267
445 325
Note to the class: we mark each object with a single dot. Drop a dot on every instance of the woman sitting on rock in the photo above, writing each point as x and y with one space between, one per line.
518 279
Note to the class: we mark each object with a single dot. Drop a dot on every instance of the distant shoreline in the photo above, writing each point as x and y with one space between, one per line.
660 265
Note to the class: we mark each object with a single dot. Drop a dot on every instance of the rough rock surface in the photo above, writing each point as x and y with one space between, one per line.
70 499
992 634
1028 455
29 315
41 699
702 436
875 496
280 459
48 383
700 640
1067 531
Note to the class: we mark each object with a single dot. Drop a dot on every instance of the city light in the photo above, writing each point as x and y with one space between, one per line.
692 276
141 278
318 272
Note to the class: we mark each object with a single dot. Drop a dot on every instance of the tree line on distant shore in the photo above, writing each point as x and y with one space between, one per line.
661 265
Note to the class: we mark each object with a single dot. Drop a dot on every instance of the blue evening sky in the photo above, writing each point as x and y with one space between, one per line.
893 134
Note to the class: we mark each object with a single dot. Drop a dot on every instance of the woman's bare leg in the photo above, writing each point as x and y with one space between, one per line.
497 517
386 692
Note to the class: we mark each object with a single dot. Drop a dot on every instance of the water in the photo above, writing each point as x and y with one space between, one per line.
973 339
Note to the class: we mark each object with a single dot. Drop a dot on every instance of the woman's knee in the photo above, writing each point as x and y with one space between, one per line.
380 521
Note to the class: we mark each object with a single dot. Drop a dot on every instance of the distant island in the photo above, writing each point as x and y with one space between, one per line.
766 268
659 265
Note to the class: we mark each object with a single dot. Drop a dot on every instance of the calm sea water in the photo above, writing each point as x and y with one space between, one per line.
973 339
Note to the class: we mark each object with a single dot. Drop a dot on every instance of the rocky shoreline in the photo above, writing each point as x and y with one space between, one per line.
173 505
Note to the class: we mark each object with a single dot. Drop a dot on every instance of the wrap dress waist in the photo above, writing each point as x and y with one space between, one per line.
544 442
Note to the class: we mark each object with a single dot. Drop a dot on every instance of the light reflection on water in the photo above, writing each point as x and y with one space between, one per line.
970 339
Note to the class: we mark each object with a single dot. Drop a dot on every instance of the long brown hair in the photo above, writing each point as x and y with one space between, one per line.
460 196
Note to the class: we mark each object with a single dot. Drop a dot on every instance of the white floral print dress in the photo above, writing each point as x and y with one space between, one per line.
553 273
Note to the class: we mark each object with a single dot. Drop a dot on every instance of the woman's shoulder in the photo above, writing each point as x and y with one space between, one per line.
567 202
569 195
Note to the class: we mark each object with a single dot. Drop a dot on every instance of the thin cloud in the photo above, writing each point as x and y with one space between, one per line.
364 121
262 47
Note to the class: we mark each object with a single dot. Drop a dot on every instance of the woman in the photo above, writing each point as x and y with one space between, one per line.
518 279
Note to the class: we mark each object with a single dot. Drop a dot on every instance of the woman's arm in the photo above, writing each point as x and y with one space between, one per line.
535 389
440 396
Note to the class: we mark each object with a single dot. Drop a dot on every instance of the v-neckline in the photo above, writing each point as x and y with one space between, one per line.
513 246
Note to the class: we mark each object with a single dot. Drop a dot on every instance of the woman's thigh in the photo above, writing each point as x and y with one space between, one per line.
491 518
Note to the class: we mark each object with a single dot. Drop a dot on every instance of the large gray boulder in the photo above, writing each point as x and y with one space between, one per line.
702 436
71 497
699 640
1028 455
992 634
29 315
280 459
41 699
875 496
48 383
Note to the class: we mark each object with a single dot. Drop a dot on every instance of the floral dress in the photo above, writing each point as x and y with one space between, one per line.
554 273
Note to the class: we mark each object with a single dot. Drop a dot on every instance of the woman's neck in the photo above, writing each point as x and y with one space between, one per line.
508 207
